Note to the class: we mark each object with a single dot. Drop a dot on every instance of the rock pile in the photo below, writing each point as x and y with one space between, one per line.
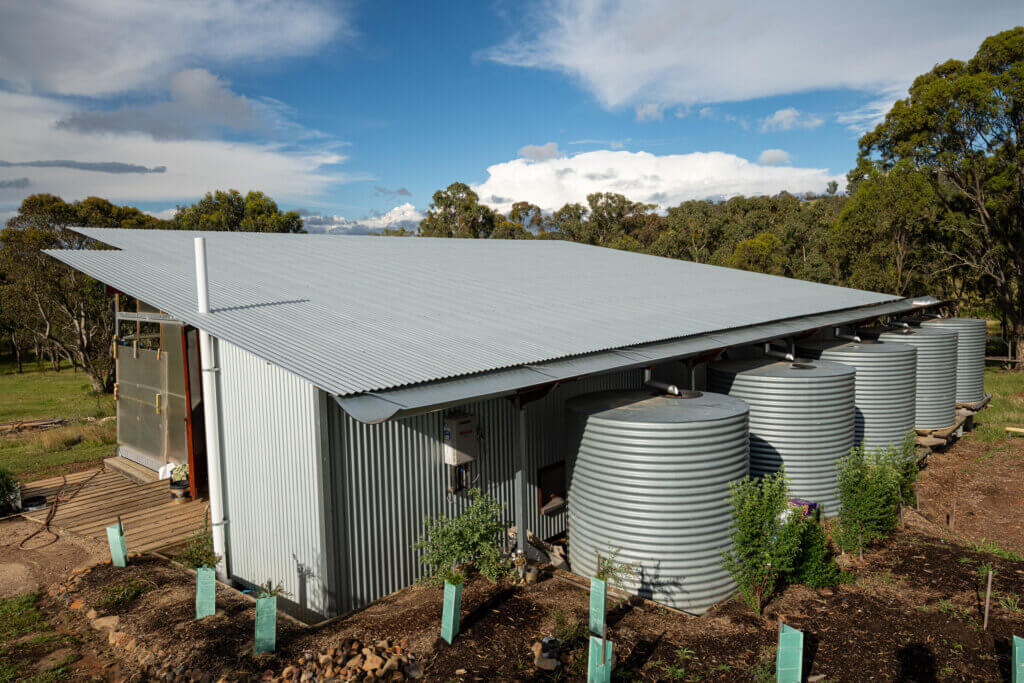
353 660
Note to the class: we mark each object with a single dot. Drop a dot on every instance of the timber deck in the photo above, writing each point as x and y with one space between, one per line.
93 500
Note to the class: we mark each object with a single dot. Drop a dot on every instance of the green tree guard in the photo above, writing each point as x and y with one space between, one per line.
266 624
452 608
206 592
118 548
598 603
789 657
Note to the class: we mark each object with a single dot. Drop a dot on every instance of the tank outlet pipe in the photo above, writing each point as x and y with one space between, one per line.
660 386
847 337
211 411
784 355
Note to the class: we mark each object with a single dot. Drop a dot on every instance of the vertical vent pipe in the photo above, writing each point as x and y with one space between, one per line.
211 410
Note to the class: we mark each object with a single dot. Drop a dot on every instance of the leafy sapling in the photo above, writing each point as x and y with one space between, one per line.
765 539
469 538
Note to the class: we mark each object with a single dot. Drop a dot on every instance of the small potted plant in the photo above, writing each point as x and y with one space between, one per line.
179 481
452 606
266 616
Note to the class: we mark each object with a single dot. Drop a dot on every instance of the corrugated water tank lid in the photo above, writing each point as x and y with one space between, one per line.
783 369
649 407
866 346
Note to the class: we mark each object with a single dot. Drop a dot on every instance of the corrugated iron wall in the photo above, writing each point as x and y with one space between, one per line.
272 444
389 476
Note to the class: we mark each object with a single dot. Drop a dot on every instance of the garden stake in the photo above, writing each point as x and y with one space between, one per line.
917 499
902 525
988 597
952 515
860 545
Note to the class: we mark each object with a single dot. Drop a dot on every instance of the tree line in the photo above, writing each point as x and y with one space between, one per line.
61 316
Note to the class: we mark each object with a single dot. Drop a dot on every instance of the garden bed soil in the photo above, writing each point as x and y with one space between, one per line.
913 612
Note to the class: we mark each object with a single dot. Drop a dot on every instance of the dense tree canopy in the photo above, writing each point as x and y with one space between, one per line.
961 129
230 211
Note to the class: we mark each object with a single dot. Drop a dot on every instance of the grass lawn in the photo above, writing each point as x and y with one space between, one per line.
26 639
1006 409
45 394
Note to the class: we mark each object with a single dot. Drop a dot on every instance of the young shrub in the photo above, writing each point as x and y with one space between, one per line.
613 572
198 550
869 493
814 565
765 539
8 488
471 537
269 590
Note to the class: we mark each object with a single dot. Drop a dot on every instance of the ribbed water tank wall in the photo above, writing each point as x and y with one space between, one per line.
936 373
652 477
801 416
885 387
970 355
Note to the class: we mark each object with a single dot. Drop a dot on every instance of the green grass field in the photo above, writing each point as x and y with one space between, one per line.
48 394
1006 408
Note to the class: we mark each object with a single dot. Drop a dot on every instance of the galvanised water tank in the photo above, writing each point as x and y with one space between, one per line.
970 355
801 416
651 477
936 372
885 387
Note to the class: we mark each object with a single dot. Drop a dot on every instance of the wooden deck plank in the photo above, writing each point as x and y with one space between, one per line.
152 520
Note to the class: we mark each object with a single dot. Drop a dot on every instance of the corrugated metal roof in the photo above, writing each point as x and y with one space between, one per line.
357 314
376 407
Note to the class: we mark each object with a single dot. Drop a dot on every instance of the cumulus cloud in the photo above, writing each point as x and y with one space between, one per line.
403 216
773 157
629 53
549 150
158 170
200 105
102 47
664 180
790 118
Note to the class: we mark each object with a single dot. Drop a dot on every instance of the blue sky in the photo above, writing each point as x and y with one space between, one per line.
356 112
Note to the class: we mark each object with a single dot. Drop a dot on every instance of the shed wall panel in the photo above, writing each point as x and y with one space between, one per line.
388 477
271 444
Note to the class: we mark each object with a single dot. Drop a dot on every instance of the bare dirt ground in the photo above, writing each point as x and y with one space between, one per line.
44 562
986 481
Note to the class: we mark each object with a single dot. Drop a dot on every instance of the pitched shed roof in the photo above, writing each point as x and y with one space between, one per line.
356 314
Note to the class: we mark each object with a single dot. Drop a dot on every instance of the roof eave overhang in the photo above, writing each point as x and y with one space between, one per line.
374 407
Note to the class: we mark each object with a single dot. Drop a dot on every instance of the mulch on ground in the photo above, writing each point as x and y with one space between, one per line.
913 612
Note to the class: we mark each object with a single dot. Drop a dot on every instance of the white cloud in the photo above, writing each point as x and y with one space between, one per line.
773 157
549 150
112 165
664 180
865 118
611 144
666 51
403 216
789 119
165 214
102 47
650 111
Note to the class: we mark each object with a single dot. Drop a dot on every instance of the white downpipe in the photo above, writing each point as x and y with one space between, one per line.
211 410
660 386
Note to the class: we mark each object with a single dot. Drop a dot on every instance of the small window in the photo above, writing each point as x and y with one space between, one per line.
551 486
